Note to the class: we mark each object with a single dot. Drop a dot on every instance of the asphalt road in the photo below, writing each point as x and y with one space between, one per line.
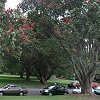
34 92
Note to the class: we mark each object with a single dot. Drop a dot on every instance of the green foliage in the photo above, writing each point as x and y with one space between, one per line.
78 31
39 41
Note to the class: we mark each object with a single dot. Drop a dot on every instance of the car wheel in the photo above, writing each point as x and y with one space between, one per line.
1 93
50 93
21 94
65 93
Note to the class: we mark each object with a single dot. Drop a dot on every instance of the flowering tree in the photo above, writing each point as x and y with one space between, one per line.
26 43
13 35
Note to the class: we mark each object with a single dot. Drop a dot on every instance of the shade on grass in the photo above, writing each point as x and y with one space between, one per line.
34 83
15 79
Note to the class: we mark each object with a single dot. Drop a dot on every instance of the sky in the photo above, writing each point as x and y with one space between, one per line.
12 3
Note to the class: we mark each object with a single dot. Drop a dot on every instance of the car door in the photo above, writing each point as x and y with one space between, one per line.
61 90
15 90
8 90
56 90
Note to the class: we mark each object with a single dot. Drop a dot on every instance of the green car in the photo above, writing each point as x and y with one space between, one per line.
97 90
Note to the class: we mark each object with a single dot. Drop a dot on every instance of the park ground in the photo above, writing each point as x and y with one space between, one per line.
34 83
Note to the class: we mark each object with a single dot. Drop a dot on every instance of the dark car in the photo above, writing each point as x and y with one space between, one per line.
13 90
54 90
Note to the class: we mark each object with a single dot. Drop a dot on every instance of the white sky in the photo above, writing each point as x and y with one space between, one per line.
12 3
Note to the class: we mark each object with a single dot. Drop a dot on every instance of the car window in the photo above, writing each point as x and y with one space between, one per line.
11 87
14 87
51 87
6 86
62 87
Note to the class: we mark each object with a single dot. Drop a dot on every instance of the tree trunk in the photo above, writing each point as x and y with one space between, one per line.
21 73
27 74
27 77
43 81
86 87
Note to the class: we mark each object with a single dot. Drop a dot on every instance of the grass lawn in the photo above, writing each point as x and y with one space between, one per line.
34 82
48 98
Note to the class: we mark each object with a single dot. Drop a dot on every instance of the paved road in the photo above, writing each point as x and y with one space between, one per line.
32 92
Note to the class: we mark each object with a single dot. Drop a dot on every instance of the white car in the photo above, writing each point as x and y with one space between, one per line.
76 90
97 90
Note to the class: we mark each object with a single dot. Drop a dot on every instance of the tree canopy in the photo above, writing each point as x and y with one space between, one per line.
40 32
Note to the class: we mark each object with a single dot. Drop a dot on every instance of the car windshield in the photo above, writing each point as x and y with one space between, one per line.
51 87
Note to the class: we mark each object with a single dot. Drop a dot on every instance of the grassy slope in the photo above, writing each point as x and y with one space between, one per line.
14 79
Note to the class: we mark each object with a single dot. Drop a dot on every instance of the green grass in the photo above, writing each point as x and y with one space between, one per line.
47 98
33 83
14 79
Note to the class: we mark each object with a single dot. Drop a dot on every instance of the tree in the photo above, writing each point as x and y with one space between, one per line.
44 61
80 39
26 45
47 60
77 30
12 38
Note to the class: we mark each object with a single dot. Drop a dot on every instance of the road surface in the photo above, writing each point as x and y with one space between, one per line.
35 91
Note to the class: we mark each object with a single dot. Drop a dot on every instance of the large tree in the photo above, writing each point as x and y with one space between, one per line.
27 44
76 24
80 39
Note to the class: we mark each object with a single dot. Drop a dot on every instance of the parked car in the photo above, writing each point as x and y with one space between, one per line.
54 90
76 90
97 90
73 85
94 85
10 89
76 84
